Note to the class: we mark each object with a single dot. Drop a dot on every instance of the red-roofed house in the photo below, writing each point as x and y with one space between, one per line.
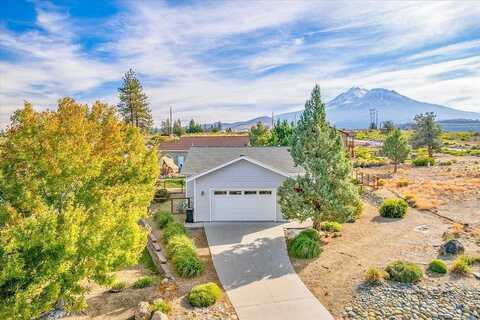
178 149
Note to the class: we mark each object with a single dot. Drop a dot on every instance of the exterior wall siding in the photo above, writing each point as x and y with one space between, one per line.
241 175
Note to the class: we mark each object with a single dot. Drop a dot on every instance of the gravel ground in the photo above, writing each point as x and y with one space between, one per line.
399 301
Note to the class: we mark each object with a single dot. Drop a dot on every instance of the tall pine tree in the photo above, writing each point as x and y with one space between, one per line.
326 191
133 106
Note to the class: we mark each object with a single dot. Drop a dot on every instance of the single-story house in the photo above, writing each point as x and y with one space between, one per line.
237 184
178 148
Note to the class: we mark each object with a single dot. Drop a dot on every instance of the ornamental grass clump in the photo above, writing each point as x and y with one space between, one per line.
204 295
375 275
463 264
163 219
405 272
303 247
143 282
311 233
438 266
187 264
161 305
173 229
393 208
179 243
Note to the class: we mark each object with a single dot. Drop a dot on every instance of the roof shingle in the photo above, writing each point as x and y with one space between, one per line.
202 159
186 142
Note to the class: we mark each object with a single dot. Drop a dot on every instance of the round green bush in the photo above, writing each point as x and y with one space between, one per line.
204 295
303 247
172 229
394 208
405 272
330 226
179 243
163 218
187 264
423 161
311 233
437 266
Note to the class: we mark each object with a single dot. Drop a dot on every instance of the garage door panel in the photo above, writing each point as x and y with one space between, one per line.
243 205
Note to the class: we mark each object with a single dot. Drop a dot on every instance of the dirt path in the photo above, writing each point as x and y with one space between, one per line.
370 241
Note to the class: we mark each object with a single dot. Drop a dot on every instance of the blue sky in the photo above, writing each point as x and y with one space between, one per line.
237 60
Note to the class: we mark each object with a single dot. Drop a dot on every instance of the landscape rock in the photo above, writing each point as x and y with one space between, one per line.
143 311
158 315
452 247
401 301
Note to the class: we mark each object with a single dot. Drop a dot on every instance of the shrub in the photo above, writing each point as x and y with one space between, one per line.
173 229
143 282
375 276
437 266
118 286
463 264
402 183
393 208
331 226
311 233
162 195
161 305
304 248
179 243
423 161
204 295
163 218
187 264
405 272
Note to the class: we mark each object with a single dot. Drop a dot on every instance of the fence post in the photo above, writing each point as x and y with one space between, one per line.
171 205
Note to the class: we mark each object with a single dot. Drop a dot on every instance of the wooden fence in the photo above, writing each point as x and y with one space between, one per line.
172 199
366 179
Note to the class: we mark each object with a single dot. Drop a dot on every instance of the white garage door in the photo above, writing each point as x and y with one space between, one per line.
243 205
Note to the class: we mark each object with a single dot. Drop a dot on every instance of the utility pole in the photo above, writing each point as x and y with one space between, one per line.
170 129
273 120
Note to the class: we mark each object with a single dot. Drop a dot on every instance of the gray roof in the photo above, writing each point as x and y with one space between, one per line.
201 159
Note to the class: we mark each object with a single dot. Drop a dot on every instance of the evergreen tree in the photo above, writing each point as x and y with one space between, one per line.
281 133
133 106
326 190
194 127
260 135
74 184
178 130
389 126
427 133
396 148
165 127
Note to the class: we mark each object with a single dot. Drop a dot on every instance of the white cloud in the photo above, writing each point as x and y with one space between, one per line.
213 60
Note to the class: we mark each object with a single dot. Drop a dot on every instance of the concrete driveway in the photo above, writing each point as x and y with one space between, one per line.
252 264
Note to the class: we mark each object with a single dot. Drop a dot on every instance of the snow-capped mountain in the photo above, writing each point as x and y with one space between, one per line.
351 109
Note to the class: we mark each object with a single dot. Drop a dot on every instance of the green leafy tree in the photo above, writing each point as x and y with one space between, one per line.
326 190
427 133
194 127
389 126
260 135
73 185
133 106
281 133
166 127
396 148
178 130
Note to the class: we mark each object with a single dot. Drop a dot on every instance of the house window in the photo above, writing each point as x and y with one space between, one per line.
235 193
265 192
250 192
220 193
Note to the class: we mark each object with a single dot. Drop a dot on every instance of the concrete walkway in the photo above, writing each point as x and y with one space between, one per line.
252 264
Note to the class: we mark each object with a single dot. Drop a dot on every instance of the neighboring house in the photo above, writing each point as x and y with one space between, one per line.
237 184
178 149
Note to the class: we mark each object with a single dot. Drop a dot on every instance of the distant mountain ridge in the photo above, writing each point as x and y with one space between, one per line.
350 110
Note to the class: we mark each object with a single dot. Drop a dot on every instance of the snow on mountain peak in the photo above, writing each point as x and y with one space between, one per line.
352 95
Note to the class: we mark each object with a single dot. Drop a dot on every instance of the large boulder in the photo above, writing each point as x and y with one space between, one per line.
158 315
143 311
452 247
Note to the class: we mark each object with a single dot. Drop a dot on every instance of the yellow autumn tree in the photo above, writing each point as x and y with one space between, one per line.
73 185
